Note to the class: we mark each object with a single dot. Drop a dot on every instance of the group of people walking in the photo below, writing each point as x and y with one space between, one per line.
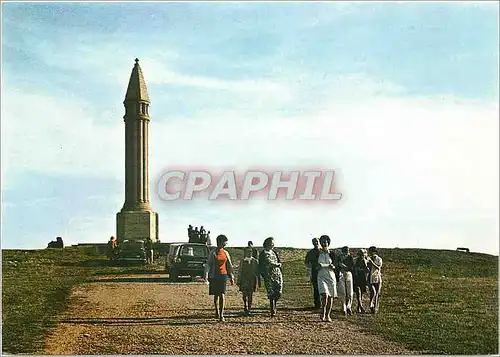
199 236
334 274
331 273
254 268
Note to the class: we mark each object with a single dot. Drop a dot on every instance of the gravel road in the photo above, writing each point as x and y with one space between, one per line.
145 314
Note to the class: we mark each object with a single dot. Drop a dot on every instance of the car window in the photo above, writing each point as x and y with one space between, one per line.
187 251
194 251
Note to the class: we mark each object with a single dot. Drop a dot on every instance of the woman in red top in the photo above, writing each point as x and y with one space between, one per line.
219 270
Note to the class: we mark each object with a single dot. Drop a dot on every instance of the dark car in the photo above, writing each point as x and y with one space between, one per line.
132 250
186 259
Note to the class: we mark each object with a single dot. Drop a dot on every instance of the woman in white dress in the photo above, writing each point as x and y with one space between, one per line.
375 265
327 284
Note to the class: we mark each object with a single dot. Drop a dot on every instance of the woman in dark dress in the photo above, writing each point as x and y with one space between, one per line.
248 278
361 274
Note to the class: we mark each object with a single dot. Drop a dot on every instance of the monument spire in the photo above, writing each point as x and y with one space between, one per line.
136 220
137 90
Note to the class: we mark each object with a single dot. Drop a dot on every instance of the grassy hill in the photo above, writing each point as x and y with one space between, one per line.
441 302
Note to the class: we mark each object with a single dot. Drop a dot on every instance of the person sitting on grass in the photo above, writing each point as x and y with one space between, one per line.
218 270
58 243
375 265
248 278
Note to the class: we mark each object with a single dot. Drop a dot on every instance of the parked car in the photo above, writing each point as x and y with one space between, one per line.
132 250
186 259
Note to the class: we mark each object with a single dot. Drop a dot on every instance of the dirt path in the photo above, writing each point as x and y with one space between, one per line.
146 315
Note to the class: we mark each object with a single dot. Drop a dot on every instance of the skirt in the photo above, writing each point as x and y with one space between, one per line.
217 285
361 280
327 283
248 286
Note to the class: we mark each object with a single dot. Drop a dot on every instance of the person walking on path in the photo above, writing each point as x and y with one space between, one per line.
327 284
248 278
218 271
271 270
311 262
255 252
375 265
361 272
345 284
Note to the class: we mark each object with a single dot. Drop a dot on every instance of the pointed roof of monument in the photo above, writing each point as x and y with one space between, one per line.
137 86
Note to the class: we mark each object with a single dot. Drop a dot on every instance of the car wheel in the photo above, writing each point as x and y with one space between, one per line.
174 275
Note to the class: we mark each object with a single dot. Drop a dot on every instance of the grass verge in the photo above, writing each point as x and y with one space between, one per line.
35 287
437 301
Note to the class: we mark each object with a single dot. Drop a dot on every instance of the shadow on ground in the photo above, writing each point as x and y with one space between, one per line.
160 277
103 263
167 321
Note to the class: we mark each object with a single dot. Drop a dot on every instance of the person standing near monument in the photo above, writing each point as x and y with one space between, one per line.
203 236
112 248
196 235
218 271
311 262
148 247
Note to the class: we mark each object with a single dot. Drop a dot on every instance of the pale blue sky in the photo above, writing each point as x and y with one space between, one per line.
402 98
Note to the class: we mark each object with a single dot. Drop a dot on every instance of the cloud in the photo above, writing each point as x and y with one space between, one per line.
45 134
159 74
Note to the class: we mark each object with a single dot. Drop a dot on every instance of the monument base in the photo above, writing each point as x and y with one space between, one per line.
133 225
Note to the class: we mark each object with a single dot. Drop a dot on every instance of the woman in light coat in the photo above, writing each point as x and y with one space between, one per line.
327 283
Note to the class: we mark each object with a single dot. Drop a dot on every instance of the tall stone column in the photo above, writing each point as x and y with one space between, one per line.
136 220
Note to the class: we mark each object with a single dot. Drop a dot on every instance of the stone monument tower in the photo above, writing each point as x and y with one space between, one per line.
136 220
